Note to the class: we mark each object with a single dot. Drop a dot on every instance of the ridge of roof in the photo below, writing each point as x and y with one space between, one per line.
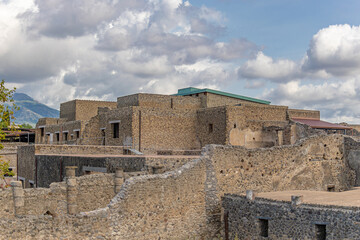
192 90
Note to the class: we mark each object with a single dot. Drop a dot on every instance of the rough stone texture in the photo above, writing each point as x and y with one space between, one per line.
6 203
44 149
167 129
310 164
297 113
160 206
159 101
152 122
94 191
215 100
9 153
286 221
82 109
352 155
27 165
45 164
185 203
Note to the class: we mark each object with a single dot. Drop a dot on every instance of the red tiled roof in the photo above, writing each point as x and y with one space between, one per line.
316 123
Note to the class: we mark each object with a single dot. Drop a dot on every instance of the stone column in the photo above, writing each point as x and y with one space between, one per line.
71 191
119 179
18 196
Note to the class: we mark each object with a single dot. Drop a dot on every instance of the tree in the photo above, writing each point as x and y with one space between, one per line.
26 125
7 109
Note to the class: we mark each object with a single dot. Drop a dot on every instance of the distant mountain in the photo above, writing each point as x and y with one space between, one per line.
31 110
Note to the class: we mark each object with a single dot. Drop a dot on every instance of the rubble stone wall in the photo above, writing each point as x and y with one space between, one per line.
167 129
185 203
159 206
215 100
211 126
45 149
288 222
26 164
82 109
6 203
310 164
297 113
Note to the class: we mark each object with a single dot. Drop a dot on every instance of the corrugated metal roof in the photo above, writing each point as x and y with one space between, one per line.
316 123
192 90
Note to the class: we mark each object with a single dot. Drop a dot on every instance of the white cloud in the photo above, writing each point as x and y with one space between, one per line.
59 50
325 79
337 100
333 52
265 67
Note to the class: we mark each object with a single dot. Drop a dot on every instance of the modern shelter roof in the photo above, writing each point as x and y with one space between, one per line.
192 90
316 123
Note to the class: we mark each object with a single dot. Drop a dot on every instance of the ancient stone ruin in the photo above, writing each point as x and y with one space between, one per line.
136 182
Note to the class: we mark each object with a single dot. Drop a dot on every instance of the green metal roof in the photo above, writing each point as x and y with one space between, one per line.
192 90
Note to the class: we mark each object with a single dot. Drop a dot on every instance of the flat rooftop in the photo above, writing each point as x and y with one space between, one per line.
346 198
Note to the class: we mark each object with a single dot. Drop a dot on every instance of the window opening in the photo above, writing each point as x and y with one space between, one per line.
58 137
211 128
320 231
65 136
264 227
331 188
42 131
115 127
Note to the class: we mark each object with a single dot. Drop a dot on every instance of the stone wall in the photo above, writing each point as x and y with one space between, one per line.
68 110
6 204
159 206
44 164
40 132
255 126
44 149
147 207
297 113
285 221
166 129
212 125
82 109
92 226
26 164
94 191
215 100
310 164
124 118
9 153
159 101
185 203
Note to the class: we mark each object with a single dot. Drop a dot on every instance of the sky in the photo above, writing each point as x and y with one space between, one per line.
298 53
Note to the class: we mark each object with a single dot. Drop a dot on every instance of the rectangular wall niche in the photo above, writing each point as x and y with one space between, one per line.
264 227
211 127
65 135
115 128
320 231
